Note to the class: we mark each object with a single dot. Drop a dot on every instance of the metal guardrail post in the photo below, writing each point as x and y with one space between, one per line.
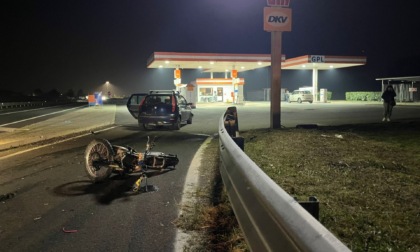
312 206
232 126
270 218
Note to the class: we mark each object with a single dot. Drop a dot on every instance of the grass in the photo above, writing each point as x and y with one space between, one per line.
366 178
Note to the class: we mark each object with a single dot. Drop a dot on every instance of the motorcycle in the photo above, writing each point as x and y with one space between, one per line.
102 159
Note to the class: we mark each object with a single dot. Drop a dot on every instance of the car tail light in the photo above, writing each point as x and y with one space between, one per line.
141 103
173 103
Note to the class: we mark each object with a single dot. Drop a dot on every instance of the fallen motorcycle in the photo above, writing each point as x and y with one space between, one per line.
102 159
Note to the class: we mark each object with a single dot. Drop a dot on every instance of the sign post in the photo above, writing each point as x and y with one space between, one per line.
277 19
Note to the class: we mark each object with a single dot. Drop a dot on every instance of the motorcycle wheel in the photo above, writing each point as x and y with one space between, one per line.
98 157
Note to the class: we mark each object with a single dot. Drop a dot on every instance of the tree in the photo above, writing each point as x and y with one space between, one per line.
70 93
80 93
54 93
37 92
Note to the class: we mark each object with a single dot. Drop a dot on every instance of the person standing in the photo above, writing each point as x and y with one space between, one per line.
388 97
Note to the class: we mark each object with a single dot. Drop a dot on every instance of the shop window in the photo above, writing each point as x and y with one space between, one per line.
206 91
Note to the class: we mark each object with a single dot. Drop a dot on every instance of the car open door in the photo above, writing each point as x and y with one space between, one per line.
133 103
184 108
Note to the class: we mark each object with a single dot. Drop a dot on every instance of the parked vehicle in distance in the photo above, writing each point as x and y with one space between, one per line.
160 108
301 96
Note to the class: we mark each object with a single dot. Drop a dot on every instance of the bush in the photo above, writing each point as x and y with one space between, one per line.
363 96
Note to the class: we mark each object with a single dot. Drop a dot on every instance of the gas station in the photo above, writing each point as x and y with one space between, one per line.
230 88
277 19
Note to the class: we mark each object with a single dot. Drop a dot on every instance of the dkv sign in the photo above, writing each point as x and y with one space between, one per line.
277 19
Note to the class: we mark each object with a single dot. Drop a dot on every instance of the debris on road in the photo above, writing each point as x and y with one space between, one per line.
69 230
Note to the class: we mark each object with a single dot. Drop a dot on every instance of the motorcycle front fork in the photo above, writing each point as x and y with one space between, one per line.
137 184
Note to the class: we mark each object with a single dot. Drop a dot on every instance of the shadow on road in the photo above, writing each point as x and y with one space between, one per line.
114 188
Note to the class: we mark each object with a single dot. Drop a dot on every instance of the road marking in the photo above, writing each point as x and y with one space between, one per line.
60 141
61 111
26 110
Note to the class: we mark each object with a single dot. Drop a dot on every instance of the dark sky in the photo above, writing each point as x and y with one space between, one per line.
80 44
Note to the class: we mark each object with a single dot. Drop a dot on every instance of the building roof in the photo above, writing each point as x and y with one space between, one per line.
222 62
401 79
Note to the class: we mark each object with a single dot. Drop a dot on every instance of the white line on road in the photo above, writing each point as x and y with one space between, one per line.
27 119
26 110
46 145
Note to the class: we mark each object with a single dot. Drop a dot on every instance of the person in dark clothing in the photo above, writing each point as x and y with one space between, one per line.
388 97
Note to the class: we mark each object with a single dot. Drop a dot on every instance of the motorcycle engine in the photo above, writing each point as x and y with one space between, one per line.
125 157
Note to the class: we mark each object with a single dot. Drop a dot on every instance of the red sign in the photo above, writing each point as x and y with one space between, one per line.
412 89
278 3
277 19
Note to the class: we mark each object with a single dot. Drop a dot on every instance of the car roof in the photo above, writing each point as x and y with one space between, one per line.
163 92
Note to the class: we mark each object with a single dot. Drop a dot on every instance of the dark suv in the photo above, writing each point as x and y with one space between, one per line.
160 108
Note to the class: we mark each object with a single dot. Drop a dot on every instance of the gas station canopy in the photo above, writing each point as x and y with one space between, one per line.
209 62
401 79
219 62
323 62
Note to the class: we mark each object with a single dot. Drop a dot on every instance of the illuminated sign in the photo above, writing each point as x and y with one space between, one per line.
234 73
177 74
277 19
278 3
317 59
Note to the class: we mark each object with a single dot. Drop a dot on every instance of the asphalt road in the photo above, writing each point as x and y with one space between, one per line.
19 117
51 191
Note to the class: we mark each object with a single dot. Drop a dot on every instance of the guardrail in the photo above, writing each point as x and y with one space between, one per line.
270 218
4 105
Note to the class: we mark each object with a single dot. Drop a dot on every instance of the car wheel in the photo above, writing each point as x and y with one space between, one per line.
299 100
177 125
189 121
143 126
146 126
310 101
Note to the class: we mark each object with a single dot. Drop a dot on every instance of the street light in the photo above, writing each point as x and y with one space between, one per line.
107 89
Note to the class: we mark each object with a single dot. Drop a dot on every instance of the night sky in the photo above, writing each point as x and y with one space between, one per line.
81 44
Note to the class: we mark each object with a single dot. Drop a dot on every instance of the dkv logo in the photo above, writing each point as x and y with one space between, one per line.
277 19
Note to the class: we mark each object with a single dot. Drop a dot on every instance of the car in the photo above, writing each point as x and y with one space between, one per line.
301 96
160 108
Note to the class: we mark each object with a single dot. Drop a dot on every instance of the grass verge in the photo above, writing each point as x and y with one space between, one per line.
366 178
209 219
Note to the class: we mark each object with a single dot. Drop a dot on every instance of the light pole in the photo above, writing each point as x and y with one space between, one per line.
107 89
